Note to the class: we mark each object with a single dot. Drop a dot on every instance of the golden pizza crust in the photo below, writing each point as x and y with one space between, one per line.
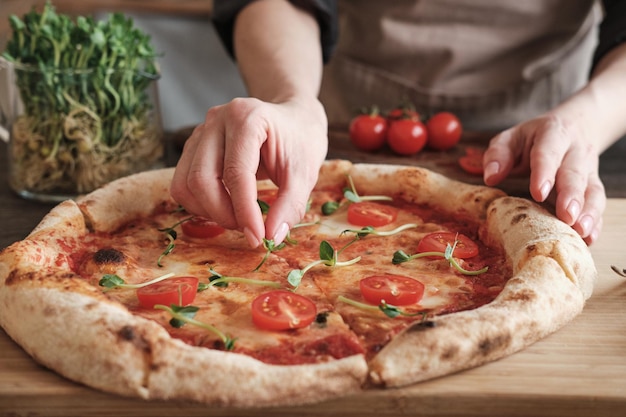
113 350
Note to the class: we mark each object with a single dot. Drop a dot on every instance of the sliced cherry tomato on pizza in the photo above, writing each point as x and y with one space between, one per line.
268 196
406 136
472 161
444 131
282 310
438 241
368 131
180 291
396 290
202 228
367 213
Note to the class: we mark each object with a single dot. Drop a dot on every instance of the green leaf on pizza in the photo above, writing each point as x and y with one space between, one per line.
389 310
328 256
401 257
113 281
186 315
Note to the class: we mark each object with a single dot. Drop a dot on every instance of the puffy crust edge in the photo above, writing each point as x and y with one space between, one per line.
517 318
115 351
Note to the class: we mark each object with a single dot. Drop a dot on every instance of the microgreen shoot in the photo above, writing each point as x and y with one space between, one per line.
185 315
389 310
369 230
270 247
328 257
401 257
265 208
171 235
352 196
84 86
219 280
113 281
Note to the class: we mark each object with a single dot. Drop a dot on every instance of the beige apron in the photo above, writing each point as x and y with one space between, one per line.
492 62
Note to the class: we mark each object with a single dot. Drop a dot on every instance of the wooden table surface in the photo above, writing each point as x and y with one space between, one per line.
578 371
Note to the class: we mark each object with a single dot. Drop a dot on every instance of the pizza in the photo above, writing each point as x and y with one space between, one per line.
395 275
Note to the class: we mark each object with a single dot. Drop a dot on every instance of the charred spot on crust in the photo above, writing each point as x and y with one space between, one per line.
524 296
422 325
127 333
450 353
109 256
518 218
497 343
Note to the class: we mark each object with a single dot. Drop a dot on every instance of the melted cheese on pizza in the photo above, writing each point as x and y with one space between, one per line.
340 329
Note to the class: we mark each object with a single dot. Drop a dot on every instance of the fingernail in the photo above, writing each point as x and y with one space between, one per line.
586 223
252 239
281 233
491 169
574 210
545 191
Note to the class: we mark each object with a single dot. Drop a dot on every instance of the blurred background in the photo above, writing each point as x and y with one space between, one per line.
196 72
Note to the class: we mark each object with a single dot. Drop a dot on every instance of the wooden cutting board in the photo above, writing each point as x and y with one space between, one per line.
578 371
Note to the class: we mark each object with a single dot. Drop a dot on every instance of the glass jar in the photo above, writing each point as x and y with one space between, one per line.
71 131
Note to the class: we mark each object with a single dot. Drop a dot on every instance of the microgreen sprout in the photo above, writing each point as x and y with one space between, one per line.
114 281
352 196
270 247
84 86
369 230
328 257
171 235
265 208
218 280
401 257
185 315
389 310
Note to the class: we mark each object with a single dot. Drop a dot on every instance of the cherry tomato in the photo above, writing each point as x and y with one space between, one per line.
406 136
368 131
444 131
438 241
282 310
202 228
472 161
180 291
367 213
394 289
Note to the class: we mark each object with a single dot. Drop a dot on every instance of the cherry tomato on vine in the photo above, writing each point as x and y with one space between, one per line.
444 131
368 131
406 136
201 228
396 290
472 161
438 241
180 291
367 213
282 310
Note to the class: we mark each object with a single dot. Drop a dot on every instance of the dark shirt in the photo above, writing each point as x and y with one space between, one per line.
612 28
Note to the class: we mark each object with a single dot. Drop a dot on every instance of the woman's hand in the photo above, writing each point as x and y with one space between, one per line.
561 158
245 140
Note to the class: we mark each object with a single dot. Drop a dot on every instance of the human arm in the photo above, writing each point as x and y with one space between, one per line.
561 148
280 132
